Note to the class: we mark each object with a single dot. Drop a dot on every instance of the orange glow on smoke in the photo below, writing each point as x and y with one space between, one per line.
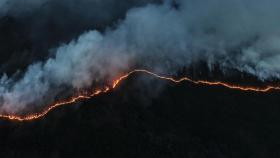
116 82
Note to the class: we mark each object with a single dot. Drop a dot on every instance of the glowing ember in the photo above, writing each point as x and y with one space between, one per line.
116 82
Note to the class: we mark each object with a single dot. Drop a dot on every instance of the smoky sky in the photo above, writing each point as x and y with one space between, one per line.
30 28
162 37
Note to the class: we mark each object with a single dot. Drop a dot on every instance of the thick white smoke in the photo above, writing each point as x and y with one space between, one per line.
240 34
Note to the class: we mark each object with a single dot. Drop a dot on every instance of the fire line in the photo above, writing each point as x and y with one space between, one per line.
115 83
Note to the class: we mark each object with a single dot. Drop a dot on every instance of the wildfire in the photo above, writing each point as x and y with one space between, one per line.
116 82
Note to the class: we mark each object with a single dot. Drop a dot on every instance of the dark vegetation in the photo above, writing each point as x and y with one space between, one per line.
165 120
144 117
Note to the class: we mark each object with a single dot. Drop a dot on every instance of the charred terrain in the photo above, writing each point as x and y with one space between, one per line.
183 120
50 49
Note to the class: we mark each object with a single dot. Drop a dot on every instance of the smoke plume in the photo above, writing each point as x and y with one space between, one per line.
29 28
239 34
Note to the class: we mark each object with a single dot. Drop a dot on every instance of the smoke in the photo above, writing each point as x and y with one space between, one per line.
19 6
239 34
83 7
29 28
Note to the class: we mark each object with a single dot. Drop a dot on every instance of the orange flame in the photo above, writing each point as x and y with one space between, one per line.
116 82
